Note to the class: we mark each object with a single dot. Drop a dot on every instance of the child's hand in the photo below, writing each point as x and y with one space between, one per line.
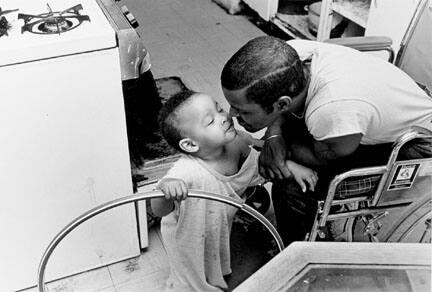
174 189
303 175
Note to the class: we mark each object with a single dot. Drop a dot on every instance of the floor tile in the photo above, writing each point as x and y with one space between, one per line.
152 260
109 289
33 289
91 281
154 282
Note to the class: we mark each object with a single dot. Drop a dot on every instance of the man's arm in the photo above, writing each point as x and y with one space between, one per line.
320 153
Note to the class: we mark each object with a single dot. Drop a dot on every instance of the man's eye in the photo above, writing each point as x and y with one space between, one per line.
210 122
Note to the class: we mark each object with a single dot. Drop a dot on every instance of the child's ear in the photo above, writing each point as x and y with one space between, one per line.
282 104
188 145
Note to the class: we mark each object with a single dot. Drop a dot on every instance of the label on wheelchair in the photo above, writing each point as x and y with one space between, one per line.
404 176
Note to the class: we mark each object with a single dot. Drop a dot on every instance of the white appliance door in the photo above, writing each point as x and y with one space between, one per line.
63 151
265 8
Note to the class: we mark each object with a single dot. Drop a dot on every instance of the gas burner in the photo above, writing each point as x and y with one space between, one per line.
53 22
4 24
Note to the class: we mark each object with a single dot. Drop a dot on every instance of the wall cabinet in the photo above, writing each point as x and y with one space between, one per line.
368 17
377 17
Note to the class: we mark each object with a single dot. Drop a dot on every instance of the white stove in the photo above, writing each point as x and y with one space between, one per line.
23 46
63 135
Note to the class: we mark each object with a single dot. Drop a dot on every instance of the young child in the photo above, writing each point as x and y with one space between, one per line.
216 159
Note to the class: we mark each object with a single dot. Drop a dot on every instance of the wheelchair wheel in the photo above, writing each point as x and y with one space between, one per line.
350 229
343 229
414 225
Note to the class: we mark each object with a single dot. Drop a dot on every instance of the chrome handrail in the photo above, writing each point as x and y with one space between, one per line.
139 197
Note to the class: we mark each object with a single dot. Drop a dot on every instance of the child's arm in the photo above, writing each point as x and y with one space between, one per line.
302 175
174 189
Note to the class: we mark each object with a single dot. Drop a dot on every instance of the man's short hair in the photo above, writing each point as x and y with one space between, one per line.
269 67
168 122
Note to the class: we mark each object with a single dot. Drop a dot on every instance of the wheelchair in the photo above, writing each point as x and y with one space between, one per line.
398 193
392 202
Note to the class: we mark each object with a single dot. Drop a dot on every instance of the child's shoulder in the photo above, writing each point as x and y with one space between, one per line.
185 164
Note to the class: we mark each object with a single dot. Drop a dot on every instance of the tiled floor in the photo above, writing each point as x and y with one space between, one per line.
147 272
191 39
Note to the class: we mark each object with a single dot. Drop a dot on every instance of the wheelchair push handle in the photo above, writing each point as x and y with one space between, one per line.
140 197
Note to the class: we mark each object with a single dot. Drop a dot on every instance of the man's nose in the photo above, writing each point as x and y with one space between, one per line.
233 112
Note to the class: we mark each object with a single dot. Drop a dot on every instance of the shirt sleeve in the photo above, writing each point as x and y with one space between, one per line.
182 169
340 118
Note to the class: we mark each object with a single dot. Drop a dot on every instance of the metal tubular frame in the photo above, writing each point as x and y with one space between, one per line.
323 210
338 179
389 49
422 4
139 197
413 134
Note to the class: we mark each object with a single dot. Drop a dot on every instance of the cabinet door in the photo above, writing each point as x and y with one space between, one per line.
265 8
390 18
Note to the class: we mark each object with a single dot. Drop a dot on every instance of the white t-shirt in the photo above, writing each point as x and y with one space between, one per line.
353 92
196 234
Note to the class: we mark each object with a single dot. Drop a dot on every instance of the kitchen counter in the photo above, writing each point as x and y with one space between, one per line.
343 266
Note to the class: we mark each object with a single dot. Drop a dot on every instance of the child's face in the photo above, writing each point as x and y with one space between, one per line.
204 121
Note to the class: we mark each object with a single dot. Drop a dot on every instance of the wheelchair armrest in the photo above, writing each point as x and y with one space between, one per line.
367 43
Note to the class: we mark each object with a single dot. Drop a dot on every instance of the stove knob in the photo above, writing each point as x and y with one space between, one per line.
129 16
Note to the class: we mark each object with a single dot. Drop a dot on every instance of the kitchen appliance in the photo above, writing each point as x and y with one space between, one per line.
314 12
65 73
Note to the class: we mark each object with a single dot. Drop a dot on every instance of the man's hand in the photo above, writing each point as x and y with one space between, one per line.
272 159
174 189
303 175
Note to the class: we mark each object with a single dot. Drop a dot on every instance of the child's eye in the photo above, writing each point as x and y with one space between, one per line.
219 108
210 122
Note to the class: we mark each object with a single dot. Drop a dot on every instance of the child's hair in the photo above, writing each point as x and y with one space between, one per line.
167 118
269 67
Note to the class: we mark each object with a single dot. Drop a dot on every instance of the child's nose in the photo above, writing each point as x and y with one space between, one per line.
225 116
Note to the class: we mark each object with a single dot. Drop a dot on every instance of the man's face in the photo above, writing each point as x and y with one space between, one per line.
250 115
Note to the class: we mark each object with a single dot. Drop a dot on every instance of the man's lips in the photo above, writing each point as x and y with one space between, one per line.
230 127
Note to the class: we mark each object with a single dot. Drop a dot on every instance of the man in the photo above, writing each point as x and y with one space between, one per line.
328 107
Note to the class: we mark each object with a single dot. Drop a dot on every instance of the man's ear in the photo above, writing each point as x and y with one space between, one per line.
188 145
282 104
